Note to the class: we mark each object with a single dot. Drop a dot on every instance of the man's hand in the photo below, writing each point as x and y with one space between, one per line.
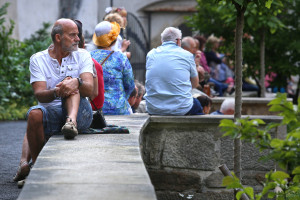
67 87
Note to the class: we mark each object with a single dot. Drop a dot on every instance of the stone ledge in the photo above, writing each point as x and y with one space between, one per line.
207 118
98 166
110 166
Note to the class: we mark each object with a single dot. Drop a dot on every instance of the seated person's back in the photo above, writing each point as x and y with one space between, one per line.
169 70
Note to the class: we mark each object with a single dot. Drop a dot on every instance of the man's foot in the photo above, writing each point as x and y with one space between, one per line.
21 183
69 130
22 172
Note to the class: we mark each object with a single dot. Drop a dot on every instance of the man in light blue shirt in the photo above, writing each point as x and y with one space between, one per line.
170 76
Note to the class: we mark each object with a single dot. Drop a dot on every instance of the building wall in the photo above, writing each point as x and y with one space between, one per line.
29 15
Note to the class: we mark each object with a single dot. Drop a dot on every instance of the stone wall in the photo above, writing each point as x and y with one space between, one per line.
182 155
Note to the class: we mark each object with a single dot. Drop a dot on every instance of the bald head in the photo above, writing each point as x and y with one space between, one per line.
60 26
189 44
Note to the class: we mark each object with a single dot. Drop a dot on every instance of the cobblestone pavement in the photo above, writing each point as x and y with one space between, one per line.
11 137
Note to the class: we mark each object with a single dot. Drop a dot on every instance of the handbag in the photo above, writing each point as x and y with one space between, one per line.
99 121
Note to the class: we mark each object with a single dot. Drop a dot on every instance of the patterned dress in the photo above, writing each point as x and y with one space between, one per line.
118 81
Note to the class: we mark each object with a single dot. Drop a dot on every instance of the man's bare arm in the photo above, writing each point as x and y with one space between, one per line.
41 93
195 81
71 86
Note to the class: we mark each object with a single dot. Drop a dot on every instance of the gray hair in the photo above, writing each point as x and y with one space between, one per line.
171 34
228 104
140 87
57 29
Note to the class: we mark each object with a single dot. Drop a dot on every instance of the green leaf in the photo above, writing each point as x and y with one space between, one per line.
269 186
269 3
249 191
280 175
277 143
271 195
296 170
231 182
239 194
240 2
250 21
227 123
296 179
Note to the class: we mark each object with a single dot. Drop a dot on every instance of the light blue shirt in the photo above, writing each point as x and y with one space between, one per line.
168 85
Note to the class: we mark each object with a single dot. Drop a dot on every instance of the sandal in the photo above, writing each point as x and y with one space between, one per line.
69 130
22 172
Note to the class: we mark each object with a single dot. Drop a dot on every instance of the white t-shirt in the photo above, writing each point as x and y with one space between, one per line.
45 68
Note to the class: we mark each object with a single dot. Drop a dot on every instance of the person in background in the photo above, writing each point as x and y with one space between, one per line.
218 69
98 92
61 78
132 99
227 107
170 76
218 86
117 70
120 45
121 11
206 103
189 44
141 92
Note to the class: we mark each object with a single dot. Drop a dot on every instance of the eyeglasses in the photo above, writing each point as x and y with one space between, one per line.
179 39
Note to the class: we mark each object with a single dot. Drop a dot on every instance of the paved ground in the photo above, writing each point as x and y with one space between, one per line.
11 137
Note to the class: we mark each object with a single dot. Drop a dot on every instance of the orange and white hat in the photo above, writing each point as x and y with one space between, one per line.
105 33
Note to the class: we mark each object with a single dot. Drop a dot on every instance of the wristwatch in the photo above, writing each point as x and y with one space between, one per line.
54 93
79 82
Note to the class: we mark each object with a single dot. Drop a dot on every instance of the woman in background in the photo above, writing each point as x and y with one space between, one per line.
117 71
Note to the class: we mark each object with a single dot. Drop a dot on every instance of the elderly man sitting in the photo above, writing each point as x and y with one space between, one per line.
170 76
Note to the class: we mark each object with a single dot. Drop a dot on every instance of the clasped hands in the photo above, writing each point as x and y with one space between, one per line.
67 87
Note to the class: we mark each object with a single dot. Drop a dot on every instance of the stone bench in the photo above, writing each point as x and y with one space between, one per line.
98 166
181 154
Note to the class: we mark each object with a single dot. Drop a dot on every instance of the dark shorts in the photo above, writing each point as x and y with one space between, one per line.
54 117
196 109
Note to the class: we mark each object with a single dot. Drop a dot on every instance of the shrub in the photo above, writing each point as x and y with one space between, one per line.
16 94
285 152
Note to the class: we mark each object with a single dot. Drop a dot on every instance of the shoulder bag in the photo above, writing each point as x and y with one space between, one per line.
99 121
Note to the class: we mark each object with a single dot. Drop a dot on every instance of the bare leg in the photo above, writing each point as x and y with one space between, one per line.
35 133
33 143
26 156
69 130
72 105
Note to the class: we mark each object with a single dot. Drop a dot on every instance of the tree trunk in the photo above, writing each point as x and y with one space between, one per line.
262 63
238 83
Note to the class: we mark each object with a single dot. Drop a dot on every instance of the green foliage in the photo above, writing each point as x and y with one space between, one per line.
14 68
285 152
282 39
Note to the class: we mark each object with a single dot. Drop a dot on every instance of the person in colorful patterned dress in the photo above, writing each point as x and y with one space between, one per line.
117 70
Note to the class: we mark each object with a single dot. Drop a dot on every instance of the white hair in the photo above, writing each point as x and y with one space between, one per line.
171 34
227 104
